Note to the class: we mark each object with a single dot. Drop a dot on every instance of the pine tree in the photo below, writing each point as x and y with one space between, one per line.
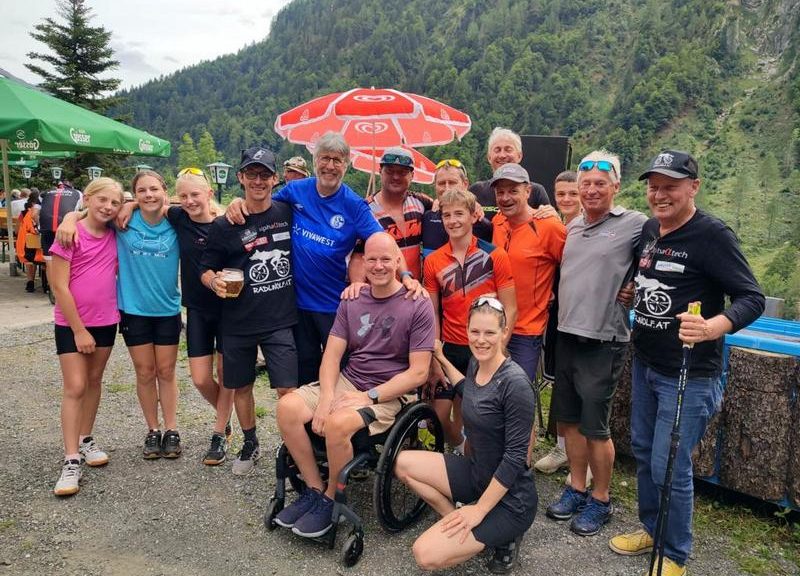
206 150
187 153
79 55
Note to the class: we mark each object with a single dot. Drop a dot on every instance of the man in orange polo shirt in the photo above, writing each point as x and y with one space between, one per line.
534 247
465 268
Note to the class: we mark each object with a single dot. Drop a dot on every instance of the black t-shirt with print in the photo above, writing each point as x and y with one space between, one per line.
262 248
192 241
700 261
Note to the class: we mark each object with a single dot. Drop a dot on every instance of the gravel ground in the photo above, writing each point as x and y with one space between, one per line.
180 517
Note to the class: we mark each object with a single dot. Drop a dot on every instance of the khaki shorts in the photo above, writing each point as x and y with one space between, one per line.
377 417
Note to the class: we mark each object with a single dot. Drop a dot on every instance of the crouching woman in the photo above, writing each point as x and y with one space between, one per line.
493 482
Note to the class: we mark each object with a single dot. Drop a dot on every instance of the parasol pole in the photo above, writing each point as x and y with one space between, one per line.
12 253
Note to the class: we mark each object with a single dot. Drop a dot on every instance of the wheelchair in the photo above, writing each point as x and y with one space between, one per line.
396 506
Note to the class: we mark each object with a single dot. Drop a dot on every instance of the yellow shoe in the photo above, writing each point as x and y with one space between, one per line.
669 568
632 544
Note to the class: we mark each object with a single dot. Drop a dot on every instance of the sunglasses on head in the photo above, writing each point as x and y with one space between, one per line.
602 165
447 162
193 172
399 159
489 301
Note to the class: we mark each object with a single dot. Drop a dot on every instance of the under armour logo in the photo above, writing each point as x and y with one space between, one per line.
366 325
663 159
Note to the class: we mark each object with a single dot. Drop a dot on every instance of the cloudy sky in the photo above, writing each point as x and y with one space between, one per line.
149 37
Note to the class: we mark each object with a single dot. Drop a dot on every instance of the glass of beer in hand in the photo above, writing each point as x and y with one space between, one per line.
234 280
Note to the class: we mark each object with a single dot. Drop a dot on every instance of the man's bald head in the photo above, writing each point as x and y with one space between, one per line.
382 260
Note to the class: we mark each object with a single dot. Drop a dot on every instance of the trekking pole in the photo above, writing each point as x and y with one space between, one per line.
675 437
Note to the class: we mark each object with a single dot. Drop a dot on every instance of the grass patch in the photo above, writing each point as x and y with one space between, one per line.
6 524
261 411
117 388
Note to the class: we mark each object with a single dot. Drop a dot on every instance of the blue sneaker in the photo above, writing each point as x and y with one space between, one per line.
317 521
571 501
297 509
592 517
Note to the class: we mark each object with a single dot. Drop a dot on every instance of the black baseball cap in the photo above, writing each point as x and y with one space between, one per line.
673 163
258 155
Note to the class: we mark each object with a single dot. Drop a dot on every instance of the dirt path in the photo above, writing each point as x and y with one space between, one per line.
182 518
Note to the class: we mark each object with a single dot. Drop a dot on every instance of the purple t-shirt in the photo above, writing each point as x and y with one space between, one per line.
380 334
92 278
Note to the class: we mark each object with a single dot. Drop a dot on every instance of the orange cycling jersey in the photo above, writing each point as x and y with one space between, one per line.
534 248
486 269
410 240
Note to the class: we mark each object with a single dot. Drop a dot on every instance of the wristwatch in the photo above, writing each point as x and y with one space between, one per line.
372 393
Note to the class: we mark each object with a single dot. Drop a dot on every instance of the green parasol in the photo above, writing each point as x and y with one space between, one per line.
32 121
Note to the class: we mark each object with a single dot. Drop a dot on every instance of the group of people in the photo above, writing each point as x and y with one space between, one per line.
360 307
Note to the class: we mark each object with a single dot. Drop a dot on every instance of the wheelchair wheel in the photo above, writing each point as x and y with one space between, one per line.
396 505
352 549
273 508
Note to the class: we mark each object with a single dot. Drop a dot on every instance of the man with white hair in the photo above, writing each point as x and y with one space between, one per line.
505 147
599 259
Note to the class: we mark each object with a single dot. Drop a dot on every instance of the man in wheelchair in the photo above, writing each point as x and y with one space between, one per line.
388 338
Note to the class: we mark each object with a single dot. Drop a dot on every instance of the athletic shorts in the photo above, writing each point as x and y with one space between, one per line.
48 237
157 330
279 352
587 373
203 334
104 337
500 526
30 255
377 417
458 355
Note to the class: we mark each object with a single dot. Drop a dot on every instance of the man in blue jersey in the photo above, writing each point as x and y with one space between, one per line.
329 217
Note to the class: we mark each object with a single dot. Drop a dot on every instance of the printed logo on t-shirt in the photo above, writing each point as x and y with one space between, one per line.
667 266
270 271
385 326
365 325
337 221
657 303
248 235
150 245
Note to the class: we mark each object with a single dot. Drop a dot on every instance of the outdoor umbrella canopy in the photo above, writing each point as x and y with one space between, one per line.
32 121
374 118
366 160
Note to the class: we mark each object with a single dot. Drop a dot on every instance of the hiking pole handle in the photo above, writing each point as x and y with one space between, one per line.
694 309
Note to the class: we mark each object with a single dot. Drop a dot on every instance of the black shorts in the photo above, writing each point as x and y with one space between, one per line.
104 337
500 526
157 330
587 373
458 355
310 336
48 237
203 334
279 352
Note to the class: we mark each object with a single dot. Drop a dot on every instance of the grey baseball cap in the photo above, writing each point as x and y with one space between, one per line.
511 171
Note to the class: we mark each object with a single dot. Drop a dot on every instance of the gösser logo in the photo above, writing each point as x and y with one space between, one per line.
80 136
22 144
145 146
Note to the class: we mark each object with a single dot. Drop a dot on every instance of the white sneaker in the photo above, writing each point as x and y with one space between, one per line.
553 461
246 461
91 454
67 484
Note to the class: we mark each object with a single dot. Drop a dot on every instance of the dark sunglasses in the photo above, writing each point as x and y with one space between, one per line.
602 165
399 159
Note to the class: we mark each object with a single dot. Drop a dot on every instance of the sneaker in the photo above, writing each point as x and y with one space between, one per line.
91 454
152 445
171 444
570 502
297 509
317 521
228 432
668 568
592 517
632 543
216 453
589 477
246 461
553 461
29 287
67 484
504 557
